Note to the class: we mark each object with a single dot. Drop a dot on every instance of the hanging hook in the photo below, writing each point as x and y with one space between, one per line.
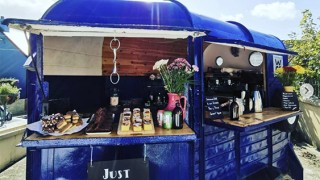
114 71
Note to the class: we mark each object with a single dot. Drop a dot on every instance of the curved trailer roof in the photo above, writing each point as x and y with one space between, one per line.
232 33
136 18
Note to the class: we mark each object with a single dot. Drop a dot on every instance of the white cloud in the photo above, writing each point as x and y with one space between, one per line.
24 9
276 10
237 17
31 9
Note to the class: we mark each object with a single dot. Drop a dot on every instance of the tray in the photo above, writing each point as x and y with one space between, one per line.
37 127
100 131
131 132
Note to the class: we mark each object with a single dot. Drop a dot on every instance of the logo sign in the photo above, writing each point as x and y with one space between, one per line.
277 62
119 169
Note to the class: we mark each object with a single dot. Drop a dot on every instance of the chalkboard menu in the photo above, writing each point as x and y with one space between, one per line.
289 101
212 108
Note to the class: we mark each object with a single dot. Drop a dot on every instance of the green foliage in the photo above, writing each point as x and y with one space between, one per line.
11 81
308 46
8 89
9 92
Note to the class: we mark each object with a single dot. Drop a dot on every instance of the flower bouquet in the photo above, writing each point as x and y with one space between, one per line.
288 75
176 74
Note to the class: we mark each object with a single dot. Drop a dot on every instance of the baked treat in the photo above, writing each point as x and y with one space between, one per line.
75 117
147 126
66 128
137 127
102 121
61 124
125 126
75 121
49 122
67 116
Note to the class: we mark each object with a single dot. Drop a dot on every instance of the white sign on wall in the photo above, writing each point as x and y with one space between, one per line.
277 62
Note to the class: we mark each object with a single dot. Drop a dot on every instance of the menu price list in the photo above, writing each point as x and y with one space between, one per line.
289 101
212 108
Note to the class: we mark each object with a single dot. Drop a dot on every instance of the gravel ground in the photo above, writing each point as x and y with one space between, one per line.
308 155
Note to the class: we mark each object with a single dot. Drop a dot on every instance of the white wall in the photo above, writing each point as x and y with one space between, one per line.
240 62
72 56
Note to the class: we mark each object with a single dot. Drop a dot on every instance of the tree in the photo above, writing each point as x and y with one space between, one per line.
308 46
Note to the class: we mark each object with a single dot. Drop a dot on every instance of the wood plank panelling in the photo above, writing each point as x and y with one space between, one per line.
136 56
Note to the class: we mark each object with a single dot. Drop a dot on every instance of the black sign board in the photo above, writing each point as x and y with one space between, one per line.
289 101
213 107
119 169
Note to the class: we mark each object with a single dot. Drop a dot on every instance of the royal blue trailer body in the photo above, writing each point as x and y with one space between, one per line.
212 151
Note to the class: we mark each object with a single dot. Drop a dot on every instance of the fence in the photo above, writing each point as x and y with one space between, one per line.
316 85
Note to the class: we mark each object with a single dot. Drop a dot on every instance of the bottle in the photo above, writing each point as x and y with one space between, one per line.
177 117
245 96
114 98
257 101
158 100
234 110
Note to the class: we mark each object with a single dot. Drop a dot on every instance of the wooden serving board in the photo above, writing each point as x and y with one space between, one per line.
131 132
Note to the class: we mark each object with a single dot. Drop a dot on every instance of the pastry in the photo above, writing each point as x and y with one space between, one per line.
67 116
137 127
147 126
102 121
49 122
125 125
75 117
66 128
61 124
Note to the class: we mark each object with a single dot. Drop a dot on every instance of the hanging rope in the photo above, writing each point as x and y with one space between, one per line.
114 71
91 154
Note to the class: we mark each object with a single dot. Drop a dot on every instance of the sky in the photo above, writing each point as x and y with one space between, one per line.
275 17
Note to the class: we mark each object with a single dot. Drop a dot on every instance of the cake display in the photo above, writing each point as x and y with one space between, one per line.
101 122
135 122
60 123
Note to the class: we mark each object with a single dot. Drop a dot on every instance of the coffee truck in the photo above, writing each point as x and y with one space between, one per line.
82 50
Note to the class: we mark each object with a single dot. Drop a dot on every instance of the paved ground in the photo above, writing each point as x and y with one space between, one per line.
310 160
307 154
15 172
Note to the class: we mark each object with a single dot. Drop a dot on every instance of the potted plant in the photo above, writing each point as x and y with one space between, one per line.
9 93
288 75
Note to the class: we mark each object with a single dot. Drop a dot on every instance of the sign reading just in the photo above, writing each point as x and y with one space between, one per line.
119 169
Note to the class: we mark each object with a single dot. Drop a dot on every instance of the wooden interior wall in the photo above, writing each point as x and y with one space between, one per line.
136 56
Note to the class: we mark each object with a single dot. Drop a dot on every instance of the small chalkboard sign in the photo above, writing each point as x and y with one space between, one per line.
119 169
289 101
212 108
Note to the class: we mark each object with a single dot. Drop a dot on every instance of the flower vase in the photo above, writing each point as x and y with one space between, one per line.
172 99
288 88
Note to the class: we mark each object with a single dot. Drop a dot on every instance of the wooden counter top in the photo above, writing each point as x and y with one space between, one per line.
81 139
251 121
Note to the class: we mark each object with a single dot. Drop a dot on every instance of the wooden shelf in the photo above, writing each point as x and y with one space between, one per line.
248 122
80 139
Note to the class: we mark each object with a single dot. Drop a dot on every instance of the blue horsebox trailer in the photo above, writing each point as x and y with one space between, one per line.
90 50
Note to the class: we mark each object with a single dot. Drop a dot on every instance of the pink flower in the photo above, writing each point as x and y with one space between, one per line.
195 68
